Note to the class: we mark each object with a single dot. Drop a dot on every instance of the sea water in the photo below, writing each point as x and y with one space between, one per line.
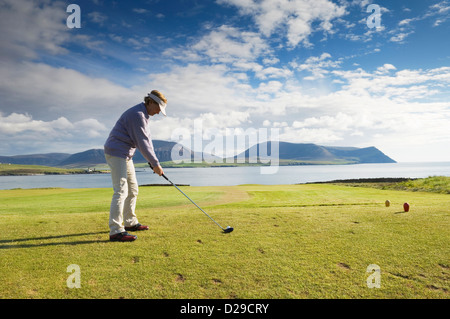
228 176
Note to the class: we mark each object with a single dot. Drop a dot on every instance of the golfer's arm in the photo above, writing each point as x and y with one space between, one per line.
143 140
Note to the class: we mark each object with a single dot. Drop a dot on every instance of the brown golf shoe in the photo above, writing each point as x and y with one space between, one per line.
122 237
137 227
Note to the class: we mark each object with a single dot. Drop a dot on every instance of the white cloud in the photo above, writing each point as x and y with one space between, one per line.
16 123
272 73
196 89
21 133
340 122
404 85
296 16
226 44
272 60
29 26
386 68
392 111
223 120
270 87
317 65
309 135
48 92
400 37
97 17
406 21
400 129
439 12
140 10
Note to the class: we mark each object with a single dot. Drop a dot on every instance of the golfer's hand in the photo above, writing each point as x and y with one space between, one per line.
158 170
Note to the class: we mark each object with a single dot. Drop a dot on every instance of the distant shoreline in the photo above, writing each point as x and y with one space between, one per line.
38 170
366 180
7 169
45 174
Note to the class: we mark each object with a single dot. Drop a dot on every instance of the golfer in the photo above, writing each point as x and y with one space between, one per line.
130 132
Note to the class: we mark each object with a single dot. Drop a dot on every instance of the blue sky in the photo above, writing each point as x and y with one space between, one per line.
315 70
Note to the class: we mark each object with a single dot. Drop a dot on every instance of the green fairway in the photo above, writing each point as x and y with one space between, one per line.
290 241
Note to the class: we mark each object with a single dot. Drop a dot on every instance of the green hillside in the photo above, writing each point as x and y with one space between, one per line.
15 169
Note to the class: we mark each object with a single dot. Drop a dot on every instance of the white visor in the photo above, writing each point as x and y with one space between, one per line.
162 105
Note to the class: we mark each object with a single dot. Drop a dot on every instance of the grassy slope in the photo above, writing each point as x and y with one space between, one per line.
16 169
290 241
434 184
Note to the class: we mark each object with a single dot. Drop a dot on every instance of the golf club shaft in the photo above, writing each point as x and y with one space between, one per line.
188 198
191 201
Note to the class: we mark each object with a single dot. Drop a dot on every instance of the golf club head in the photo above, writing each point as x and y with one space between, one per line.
228 229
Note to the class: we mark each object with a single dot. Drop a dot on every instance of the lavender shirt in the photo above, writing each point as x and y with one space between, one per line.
130 132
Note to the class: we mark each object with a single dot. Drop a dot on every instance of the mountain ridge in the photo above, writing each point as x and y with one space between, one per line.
313 152
295 152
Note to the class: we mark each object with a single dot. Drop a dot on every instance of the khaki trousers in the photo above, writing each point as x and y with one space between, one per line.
123 204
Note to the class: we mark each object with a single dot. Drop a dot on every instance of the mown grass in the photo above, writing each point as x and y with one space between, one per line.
290 241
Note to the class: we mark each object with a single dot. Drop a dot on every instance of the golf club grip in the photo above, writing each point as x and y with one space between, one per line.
161 175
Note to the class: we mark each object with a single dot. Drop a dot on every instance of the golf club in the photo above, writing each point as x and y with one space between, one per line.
225 230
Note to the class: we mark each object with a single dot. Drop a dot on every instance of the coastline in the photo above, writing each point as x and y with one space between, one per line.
51 173
229 176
